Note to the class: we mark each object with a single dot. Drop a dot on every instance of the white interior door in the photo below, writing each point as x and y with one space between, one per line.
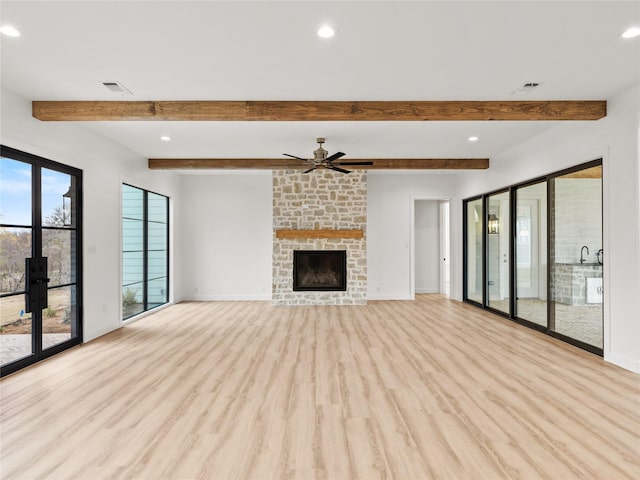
445 271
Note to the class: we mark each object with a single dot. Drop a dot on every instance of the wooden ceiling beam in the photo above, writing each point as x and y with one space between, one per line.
298 111
284 164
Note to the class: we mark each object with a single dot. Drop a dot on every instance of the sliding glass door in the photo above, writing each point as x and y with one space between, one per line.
40 287
577 255
474 262
531 253
498 256
540 243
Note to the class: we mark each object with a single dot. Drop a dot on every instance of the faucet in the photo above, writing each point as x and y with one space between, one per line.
582 259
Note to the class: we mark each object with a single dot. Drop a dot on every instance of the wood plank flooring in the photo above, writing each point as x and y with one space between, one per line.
431 389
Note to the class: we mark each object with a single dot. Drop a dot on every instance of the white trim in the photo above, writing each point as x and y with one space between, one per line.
622 361
389 296
606 270
90 336
426 290
412 239
230 298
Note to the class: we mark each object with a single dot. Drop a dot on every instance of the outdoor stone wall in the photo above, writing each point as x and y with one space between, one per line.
322 199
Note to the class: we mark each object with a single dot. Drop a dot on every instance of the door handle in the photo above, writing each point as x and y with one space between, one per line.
36 295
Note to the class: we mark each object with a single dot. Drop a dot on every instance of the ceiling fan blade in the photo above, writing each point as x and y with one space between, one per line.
354 163
335 156
310 170
337 169
297 158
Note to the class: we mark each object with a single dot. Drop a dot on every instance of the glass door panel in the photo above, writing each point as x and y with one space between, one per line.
16 244
39 248
59 212
474 256
498 264
58 319
577 255
531 253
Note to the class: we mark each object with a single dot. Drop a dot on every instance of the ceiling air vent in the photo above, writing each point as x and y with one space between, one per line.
117 87
526 88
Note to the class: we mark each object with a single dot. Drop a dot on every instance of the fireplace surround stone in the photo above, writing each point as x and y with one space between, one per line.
325 200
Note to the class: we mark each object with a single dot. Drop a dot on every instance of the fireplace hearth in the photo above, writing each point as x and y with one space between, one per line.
319 270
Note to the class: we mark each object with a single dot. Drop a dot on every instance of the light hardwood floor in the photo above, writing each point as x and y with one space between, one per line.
431 389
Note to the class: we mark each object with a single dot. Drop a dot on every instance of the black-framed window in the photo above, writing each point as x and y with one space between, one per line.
543 237
145 250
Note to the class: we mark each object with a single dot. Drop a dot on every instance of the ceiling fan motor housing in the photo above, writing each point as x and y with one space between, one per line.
320 154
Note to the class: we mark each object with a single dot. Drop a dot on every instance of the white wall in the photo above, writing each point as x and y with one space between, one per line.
615 139
227 222
105 166
389 199
427 246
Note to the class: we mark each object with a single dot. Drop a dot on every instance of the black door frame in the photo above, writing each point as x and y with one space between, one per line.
37 163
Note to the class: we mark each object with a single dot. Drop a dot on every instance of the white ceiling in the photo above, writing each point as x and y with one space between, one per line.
210 50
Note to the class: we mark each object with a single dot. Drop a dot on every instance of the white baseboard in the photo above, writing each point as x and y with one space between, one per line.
623 361
427 290
229 298
88 336
388 296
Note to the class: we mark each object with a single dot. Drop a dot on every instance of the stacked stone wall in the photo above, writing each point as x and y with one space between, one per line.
324 200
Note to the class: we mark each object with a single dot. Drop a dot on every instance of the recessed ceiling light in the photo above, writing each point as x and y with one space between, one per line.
631 32
326 32
473 138
165 138
9 31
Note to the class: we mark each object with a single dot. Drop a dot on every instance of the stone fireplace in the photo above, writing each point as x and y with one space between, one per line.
321 211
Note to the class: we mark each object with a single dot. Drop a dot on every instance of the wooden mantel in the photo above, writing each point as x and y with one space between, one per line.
319 233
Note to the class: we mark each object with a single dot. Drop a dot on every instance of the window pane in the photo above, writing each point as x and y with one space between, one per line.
59 246
132 202
15 329
132 235
474 250
132 267
157 236
59 319
15 194
157 264
531 253
157 292
157 205
15 246
58 199
132 300
498 264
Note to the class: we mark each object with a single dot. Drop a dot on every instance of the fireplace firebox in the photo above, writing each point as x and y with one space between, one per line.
319 270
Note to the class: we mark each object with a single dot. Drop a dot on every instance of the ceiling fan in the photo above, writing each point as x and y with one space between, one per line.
322 160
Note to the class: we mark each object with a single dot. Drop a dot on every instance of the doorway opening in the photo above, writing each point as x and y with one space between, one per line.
430 246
